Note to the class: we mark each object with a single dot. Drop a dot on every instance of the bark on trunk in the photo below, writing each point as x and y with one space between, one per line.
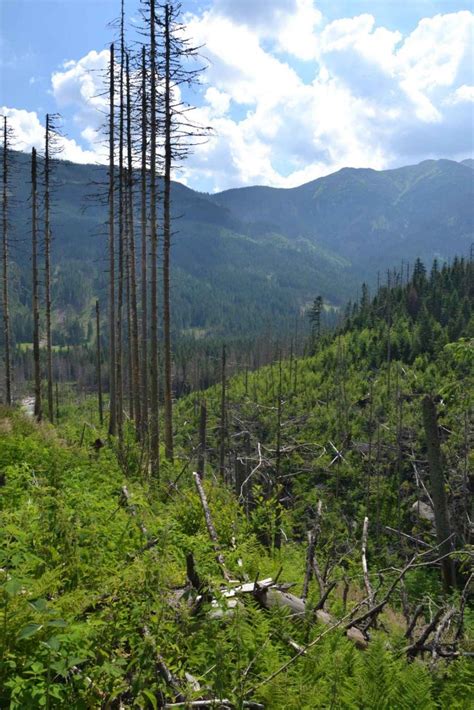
202 439
144 250
47 267
35 287
6 307
99 364
154 437
112 333
133 273
210 526
223 415
443 529
167 246
121 252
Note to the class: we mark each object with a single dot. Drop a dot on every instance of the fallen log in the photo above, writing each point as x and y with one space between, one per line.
365 569
218 704
271 597
210 527
132 509
162 669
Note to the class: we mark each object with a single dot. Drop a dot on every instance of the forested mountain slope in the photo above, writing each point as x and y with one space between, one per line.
372 218
346 423
115 595
249 258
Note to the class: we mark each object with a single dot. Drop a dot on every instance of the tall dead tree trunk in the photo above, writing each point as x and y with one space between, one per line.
223 428
179 135
6 306
135 359
154 426
128 302
112 332
47 266
435 461
167 244
35 287
99 364
202 439
144 249
121 251
389 334
369 456
278 519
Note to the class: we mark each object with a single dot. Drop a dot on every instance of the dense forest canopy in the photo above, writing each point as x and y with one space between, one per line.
247 259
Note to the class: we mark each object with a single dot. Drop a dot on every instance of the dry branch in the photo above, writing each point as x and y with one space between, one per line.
368 586
210 526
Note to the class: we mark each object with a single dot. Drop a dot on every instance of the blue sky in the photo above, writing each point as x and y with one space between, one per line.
295 89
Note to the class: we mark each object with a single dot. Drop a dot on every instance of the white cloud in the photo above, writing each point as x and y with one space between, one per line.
261 14
292 97
81 85
463 94
28 133
376 98
218 101
81 82
296 34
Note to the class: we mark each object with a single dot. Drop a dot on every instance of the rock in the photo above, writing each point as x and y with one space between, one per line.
358 637
424 511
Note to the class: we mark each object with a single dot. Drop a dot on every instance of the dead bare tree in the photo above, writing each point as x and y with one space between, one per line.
202 439
111 200
175 55
222 425
167 238
154 426
144 246
5 263
443 529
121 230
51 149
99 364
35 287
133 345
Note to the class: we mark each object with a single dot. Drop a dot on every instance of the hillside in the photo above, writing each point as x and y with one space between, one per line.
251 258
322 585
371 217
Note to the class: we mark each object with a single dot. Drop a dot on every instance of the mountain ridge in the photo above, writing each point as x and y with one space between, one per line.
254 257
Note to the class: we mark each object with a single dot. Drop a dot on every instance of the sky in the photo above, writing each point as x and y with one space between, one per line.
294 89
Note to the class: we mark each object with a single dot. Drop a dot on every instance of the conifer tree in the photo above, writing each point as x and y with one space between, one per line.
315 318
